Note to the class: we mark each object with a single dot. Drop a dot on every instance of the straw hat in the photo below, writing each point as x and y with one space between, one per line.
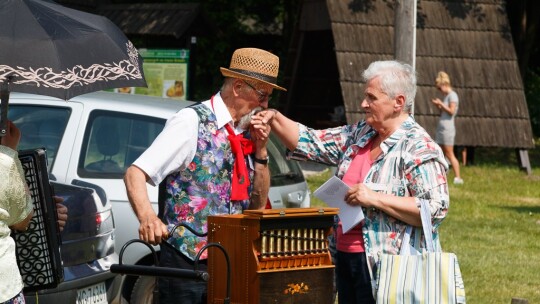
254 64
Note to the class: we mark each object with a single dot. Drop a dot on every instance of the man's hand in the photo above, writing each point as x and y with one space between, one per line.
152 230
61 211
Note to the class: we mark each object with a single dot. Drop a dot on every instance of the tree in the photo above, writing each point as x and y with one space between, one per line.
240 23
524 21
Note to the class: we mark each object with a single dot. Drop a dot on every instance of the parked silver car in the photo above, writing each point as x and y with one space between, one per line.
71 266
94 137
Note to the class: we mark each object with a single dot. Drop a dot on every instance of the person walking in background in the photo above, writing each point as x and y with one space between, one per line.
446 129
390 163
209 168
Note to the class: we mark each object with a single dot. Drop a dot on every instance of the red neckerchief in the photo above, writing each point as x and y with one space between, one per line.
240 147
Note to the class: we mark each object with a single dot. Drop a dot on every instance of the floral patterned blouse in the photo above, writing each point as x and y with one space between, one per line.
411 164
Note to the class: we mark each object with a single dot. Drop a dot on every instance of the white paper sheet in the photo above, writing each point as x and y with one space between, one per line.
333 193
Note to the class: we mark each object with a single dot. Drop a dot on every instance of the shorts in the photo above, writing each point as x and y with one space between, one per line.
445 134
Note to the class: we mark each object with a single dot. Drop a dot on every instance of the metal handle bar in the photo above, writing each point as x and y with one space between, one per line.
155 270
173 272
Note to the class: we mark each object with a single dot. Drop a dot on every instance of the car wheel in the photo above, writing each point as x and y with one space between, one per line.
143 290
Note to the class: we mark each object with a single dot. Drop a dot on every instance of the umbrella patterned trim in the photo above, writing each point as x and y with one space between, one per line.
78 75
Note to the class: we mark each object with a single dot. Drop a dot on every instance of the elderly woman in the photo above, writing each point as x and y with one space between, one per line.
390 163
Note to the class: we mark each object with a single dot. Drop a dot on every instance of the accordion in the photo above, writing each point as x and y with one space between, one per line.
276 256
38 248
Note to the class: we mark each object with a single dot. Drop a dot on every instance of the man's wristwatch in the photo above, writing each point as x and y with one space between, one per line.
263 161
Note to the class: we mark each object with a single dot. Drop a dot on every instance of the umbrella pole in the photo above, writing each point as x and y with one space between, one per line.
4 97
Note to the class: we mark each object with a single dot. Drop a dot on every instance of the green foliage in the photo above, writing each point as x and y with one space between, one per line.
314 181
236 24
532 93
493 226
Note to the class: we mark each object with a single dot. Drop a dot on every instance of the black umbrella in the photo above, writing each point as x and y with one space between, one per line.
49 49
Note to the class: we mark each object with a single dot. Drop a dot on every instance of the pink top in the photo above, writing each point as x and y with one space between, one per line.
353 241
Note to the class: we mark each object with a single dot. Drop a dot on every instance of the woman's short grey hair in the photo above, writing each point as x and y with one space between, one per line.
396 78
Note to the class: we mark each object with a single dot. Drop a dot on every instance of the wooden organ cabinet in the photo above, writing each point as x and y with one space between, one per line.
276 256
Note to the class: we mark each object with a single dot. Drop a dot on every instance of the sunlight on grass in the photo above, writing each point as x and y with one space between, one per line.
493 226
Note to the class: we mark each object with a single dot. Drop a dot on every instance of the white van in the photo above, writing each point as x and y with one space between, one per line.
93 138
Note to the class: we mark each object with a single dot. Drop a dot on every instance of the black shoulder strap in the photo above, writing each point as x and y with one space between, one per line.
162 195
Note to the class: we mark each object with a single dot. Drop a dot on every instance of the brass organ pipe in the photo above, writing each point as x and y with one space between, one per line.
311 247
264 248
298 240
286 242
272 249
305 240
322 239
317 241
278 241
293 242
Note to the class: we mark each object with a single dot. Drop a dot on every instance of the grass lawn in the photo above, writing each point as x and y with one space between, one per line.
493 226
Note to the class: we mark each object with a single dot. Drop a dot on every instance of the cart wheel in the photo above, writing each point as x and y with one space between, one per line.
143 290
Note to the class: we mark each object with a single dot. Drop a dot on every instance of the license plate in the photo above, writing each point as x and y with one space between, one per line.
95 294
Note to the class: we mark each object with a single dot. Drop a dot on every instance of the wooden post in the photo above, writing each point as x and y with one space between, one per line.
519 301
405 33
190 88
524 162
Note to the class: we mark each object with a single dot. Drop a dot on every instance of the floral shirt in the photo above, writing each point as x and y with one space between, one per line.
411 164
203 188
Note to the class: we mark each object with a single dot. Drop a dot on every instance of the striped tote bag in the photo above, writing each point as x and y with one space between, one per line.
430 278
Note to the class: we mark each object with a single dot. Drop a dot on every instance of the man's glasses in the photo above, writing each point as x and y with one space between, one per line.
262 96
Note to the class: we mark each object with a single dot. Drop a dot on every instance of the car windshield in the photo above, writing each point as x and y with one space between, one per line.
40 126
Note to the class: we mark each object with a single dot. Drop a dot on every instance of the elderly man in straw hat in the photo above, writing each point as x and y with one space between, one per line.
208 165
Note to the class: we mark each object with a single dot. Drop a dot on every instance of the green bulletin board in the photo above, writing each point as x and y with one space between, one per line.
166 73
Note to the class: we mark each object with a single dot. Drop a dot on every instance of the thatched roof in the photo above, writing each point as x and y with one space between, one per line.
470 40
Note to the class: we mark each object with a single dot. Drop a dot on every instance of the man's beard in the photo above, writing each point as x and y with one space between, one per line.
246 119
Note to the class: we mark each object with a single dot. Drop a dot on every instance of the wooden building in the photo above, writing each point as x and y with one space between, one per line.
335 40
166 25
470 40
